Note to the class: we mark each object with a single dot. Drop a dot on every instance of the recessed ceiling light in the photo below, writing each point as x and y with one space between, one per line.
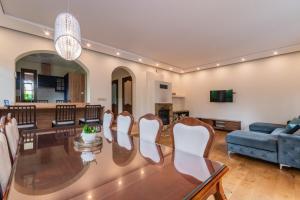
156 64
90 196
171 68
47 33
198 68
119 182
243 59
217 64
88 44
275 53
118 53
140 60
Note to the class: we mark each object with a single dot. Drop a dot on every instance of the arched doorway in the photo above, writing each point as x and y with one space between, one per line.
122 90
47 78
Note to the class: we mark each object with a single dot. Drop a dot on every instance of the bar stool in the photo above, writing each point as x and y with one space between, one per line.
92 115
65 115
25 116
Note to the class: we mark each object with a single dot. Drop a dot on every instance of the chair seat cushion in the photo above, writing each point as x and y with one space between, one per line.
253 139
89 120
63 123
264 127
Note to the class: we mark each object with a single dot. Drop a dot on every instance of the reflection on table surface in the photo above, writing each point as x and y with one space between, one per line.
125 167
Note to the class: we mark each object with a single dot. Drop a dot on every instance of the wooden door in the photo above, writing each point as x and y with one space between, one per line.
115 99
76 87
127 94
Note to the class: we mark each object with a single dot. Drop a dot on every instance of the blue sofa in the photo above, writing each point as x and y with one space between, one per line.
268 142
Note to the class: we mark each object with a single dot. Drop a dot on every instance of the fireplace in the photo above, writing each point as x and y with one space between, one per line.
165 112
164 115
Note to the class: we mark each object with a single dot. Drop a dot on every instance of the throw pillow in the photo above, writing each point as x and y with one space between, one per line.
292 129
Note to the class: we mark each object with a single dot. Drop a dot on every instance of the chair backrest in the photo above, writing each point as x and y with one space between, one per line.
151 151
24 114
5 164
108 119
65 113
11 137
192 136
42 101
92 112
150 127
124 122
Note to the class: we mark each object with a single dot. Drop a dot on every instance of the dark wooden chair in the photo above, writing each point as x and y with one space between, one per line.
25 116
92 115
63 101
65 115
42 101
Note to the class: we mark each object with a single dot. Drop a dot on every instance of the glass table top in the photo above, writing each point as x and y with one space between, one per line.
50 166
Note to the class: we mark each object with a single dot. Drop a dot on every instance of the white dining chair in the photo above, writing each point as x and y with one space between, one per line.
151 151
192 165
124 140
11 137
108 119
150 127
15 129
5 163
107 132
124 122
192 136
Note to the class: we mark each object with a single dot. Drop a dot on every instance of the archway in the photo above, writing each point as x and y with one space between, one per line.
45 77
123 90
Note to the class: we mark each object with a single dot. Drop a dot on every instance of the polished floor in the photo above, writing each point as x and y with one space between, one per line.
252 179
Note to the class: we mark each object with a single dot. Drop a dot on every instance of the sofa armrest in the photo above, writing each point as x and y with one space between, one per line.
289 150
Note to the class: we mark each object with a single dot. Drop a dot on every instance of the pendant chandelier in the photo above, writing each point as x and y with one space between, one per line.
67 37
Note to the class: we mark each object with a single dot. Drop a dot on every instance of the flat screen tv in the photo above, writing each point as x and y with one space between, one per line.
221 96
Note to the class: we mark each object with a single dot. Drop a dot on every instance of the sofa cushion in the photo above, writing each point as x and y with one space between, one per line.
253 139
264 127
278 131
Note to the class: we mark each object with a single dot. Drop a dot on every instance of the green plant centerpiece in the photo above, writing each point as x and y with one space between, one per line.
88 134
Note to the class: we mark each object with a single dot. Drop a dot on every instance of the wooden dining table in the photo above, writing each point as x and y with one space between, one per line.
51 165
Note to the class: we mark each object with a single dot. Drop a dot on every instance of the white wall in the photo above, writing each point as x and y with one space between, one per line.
99 67
267 90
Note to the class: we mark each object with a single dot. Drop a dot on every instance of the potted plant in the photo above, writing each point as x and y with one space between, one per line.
88 134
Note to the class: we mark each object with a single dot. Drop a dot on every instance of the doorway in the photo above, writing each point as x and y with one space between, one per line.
122 91
127 94
28 85
114 101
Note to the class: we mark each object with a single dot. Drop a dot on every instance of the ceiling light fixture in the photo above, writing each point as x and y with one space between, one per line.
67 37
243 59
275 53
171 68
218 65
156 64
140 60
88 44
198 68
118 53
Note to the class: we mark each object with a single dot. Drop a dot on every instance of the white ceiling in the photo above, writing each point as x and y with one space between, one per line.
186 34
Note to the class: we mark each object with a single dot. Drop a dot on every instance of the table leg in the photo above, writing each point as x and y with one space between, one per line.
219 195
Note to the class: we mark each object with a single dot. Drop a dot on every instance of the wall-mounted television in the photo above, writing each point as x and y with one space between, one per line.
221 96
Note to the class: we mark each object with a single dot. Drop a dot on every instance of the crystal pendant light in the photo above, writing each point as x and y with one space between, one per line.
67 37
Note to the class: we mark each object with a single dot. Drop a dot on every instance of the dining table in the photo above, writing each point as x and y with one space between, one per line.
57 164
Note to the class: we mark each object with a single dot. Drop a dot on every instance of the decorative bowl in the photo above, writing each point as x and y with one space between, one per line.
88 137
